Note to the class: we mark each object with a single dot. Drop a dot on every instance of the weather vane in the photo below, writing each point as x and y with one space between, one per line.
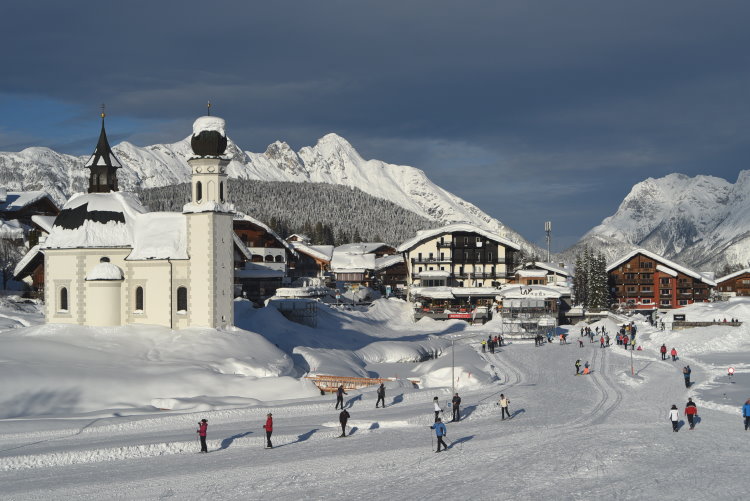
209 108
103 114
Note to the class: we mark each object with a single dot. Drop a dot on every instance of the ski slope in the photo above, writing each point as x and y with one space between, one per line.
602 436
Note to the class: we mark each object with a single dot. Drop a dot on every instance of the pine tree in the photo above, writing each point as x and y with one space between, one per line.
356 238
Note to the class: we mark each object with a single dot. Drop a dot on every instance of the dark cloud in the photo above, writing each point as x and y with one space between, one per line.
523 108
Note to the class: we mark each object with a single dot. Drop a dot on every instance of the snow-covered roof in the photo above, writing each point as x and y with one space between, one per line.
307 291
344 262
105 271
240 216
423 235
27 260
531 273
732 275
209 123
474 291
322 252
298 237
388 261
550 267
207 206
433 292
665 269
664 261
11 229
95 220
159 235
360 247
241 246
44 222
17 200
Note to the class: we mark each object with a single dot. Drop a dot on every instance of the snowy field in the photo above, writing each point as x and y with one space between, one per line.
112 413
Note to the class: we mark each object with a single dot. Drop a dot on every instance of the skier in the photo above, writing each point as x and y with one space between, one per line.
504 402
456 405
686 374
578 366
586 371
437 408
269 429
601 342
663 351
340 396
343 418
381 395
625 341
691 411
746 414
674 354
201 431
580 343
674 416
606 339
440 432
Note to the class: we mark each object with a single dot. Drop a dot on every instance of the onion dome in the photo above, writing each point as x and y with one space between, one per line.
209 137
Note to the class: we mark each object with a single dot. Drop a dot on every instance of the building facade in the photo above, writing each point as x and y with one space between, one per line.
643 280
734 284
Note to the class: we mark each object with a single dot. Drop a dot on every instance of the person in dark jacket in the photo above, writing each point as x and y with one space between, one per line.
686 374
456 405
578 367
663 351
201 431
340 396
746 414
381 395
691 411
269 429
343 418
440 432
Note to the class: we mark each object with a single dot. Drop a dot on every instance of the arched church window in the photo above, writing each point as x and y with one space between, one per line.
139 298
221 191
64 299
198 191
182 303
279 259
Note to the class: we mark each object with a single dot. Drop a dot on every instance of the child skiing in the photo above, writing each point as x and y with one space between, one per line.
440 432
201 431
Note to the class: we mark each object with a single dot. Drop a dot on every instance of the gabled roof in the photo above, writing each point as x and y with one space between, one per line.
423 235
550 267
388 261
27 264
322 252
17 200
664 261
732 275
43 222
103 154
360 247
239 216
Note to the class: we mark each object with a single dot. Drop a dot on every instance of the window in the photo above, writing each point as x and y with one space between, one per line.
683 302
631 289
279 259
646 301
63 299
419 256
431 256
479 256
442 256
666 302
466 240
198 191
745 282
647 264
139 298
646 288
269 259
664 281
665 292
647 276
466 255
182 303
221 191
479 239
489 256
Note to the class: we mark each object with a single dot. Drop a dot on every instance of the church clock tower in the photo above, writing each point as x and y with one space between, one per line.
210 233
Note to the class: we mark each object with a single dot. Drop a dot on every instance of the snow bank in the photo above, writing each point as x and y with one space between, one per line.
402 351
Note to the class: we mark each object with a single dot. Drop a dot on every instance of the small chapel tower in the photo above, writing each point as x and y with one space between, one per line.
103 165
209 223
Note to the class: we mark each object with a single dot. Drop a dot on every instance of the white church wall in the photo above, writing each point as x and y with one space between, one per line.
103 300
153 277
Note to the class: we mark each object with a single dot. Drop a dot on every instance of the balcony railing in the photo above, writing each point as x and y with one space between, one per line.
423 260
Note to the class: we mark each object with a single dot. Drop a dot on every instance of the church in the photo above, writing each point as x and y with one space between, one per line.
109 261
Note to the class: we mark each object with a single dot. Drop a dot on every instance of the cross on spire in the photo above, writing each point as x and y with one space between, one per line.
209 108
103 114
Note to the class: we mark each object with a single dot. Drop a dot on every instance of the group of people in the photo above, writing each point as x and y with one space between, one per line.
586 369
491 343
691 411
663 351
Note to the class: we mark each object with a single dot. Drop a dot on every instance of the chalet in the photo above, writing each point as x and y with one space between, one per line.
456 270
312 260
391 273
354 264
264 261
298 238
734 284
642 280
540 273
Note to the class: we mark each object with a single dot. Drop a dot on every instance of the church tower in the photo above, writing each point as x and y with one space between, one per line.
103 165
209 226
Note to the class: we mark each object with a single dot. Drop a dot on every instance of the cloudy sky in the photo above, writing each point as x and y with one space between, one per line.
532 110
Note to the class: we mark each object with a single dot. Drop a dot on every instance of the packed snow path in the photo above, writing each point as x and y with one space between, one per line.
601 436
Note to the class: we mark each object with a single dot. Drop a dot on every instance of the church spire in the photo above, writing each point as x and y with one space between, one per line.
103 165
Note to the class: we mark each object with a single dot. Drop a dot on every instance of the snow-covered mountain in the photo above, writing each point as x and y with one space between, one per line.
332 160
702 221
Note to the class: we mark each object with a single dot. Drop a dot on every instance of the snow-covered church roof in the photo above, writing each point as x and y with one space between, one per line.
95 220
105 271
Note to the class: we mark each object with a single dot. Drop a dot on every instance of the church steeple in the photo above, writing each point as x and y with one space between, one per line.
103 165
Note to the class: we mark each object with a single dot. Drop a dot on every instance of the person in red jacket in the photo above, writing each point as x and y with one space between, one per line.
202 427
663 351
691 411
269 429
674 354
